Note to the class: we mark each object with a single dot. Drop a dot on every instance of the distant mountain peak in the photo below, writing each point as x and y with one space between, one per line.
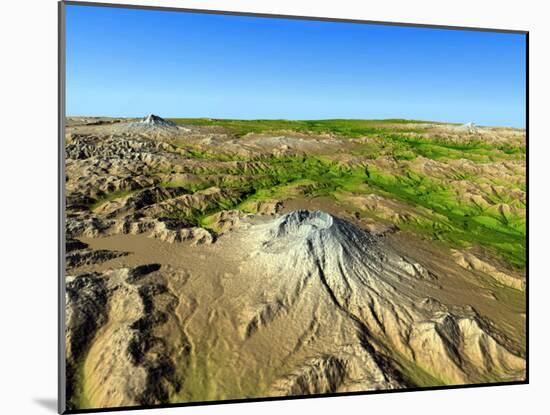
156 121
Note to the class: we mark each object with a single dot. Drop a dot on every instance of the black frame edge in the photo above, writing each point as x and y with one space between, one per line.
294 397
61 369
527 279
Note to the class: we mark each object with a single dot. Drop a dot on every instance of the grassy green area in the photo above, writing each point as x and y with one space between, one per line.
348 128
200 217
464 223
205 155
395 137
450 217
80 398
455 221
406 147
415 375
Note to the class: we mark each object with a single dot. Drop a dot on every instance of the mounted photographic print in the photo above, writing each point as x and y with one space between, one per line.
264 207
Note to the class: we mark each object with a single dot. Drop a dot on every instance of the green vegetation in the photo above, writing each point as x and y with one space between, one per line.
437 149
394 137
408 147
464 223
347 128
204 155
80 397
453 219
440 208
417 375
200 216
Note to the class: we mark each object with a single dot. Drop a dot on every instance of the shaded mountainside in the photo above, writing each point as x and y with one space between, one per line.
375 288
113 353
366 322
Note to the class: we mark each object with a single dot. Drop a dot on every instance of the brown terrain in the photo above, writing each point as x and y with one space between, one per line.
207 262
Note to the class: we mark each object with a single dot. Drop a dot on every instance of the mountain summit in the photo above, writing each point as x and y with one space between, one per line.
311 255
153 120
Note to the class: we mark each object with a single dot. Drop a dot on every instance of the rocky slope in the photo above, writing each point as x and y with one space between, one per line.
111 320
376 289
352 311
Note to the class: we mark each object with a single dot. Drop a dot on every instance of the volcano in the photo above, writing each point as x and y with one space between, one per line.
303 303
382 294
153 120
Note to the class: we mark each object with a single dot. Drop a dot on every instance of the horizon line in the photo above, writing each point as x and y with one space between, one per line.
413 120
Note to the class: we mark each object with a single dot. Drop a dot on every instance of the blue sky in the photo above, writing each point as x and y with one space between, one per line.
124 62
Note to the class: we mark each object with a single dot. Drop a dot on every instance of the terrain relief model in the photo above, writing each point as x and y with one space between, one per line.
216 259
